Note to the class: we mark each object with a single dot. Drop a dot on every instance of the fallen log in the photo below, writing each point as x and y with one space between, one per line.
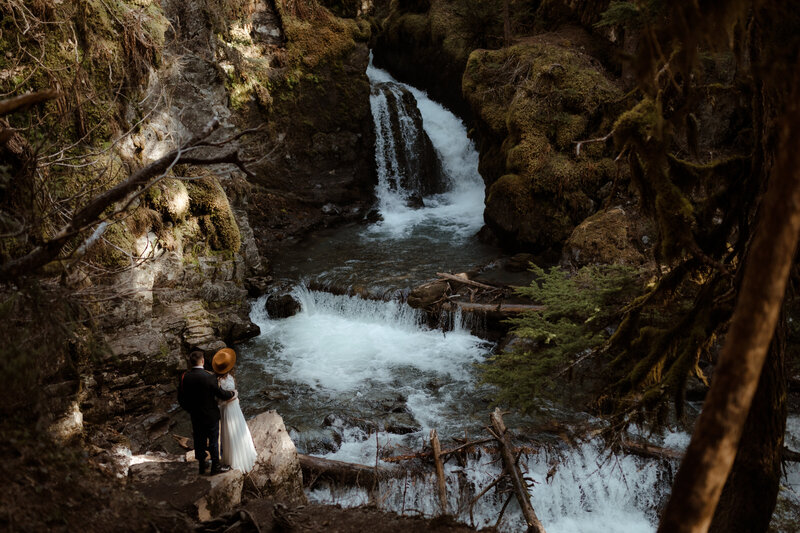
790 455
429 453
315 468
504 309
440 481
466 281
649 451
499 431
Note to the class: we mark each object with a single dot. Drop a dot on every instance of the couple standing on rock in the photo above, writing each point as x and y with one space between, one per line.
210 398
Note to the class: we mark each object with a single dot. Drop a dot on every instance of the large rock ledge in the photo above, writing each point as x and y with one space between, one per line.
173 481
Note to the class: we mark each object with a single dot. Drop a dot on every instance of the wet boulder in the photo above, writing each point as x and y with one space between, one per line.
519 262
341 422
282 306
427 294
408 159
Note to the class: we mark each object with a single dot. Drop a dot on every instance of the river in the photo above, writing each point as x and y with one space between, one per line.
356 379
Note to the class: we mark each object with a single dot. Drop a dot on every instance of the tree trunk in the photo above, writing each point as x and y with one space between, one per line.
719 428
346 473
750 493
511 468
440 479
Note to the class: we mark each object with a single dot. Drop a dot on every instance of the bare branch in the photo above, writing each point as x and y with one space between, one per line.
10 105
91 214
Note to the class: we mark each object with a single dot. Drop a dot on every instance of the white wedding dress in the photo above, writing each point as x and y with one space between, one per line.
236 442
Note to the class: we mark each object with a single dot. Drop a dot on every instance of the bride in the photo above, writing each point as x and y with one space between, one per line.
236 442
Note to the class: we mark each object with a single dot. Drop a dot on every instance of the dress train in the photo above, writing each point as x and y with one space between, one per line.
238 450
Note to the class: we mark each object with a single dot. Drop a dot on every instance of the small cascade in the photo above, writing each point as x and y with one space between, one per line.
428 180
407 163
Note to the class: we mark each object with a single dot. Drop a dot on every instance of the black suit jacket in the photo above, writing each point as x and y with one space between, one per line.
201 391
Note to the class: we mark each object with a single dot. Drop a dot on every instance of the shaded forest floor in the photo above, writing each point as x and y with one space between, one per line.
50 487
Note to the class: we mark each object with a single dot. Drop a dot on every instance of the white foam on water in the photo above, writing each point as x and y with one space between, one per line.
589 491
458 212
341 343
790 483
344 346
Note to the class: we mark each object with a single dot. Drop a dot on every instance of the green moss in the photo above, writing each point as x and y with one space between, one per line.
511 187
209 203
114 251
641 122
536 100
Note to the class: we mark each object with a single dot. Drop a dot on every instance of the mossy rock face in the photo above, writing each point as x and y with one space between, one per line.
313 95
343 8
116 248
209 203
429 30
411 6
170 198
534 102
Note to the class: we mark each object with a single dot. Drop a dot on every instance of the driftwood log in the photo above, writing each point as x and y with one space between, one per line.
429 453
437 460
315 468
650 451
517 480
462 278
501 308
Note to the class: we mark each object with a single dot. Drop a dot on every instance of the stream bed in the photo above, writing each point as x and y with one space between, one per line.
356 379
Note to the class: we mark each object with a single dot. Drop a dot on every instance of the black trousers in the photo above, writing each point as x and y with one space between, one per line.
206 437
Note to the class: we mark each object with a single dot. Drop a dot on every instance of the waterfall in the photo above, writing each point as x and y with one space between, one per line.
356 379
347 357
408 166
428 176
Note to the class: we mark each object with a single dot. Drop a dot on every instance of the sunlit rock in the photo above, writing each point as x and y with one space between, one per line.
277 472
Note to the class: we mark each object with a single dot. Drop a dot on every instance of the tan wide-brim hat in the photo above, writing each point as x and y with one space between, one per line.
223 361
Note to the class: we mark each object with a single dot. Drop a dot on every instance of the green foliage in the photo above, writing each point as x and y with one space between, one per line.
629 13
579 309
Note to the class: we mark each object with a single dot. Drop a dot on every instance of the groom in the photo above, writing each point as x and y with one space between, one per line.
199 391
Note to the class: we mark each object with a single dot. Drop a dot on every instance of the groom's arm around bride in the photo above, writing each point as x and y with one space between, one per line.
199 392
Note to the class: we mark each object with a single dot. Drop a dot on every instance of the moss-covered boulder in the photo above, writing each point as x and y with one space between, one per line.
534 103
611 236
169 197
209 203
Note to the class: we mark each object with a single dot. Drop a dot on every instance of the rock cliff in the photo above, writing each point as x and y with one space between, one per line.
174 273
534 103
